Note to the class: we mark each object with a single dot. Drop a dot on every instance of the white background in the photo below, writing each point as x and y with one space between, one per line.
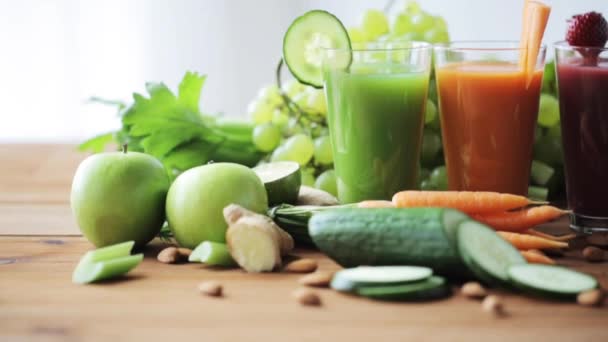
55 54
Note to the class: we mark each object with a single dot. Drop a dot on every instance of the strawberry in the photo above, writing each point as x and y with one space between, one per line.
589 30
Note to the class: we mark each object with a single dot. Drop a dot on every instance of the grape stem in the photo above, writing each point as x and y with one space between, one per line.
388 6
293 107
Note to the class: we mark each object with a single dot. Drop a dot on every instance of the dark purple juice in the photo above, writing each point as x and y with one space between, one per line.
583 97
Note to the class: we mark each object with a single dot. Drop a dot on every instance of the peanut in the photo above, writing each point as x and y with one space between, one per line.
210 288
473 289
301 266
594 254
307 297
494 305
590 298
317 279
169 255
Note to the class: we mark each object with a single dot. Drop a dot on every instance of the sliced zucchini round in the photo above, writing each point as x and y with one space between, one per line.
554 281
429 289
305 40
350 279
486 254
282 181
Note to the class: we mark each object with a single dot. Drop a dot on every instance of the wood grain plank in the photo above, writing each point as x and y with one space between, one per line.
158 301
37 219
37 173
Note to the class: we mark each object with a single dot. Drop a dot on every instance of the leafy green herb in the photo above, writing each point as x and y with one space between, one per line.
165 233
97 143
172 128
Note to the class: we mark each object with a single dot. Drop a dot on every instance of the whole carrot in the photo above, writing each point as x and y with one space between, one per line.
526 241
537 257
564 238
471 202
375 204
520 220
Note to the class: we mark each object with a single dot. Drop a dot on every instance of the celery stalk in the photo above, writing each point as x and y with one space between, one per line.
105 263
212 254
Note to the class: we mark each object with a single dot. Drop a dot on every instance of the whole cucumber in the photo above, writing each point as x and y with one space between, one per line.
390 236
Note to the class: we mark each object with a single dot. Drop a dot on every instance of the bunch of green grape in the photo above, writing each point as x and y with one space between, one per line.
291 121
291 125
410 23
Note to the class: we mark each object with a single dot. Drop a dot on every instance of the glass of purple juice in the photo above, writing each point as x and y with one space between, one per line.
582 80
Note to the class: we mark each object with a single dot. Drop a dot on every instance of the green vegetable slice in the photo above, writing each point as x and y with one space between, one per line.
105 263
486 254
305 40
538 193
541 173
282 181
212 254
550 280
432 288
350 279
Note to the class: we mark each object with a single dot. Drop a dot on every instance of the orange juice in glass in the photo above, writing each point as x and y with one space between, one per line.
489 107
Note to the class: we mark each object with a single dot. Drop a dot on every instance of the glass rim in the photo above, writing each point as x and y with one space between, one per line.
563 45
416 45
469 45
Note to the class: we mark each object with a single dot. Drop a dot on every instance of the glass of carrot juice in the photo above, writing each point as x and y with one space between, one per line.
488 108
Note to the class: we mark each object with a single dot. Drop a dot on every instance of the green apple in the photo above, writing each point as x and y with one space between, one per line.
198 196
119 196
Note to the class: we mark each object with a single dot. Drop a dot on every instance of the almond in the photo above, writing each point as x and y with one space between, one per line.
473 289
301 266
590 298
184 253
210 288
169 255
594 254
317 279
307 297
494 305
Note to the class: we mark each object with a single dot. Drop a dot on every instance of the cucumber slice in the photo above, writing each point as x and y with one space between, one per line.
212 254
486 254
105 263
554 281
305 40
282 181
350 279
432 288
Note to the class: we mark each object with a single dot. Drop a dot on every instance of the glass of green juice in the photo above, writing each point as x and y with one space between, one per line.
376 99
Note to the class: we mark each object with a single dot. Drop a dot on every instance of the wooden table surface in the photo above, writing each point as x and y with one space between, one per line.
40 245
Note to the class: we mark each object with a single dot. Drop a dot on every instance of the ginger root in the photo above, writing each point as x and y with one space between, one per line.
255 242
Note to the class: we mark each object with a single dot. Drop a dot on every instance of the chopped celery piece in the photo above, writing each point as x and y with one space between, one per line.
105 263
538 193
213 254
541 173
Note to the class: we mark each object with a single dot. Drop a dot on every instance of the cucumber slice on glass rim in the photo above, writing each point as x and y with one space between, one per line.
304 43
